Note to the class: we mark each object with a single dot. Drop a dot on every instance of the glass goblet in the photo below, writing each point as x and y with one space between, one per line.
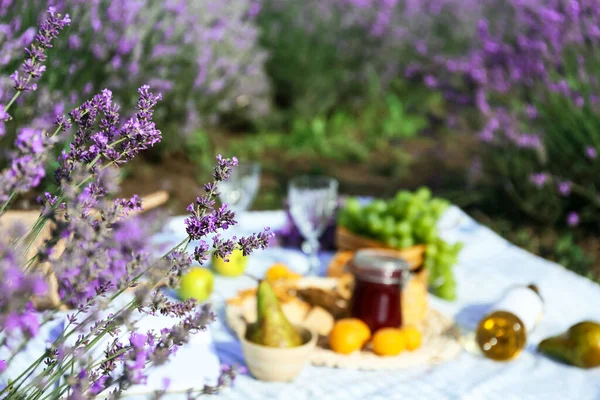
312 201
239 191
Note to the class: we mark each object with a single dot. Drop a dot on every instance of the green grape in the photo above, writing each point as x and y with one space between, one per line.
403 228
359 224
432 251
445 260
457 247
444 246
397 211
430 264
374 224
446 291
379 206
423 193
389 226
439 205
446 273
406 242
431 236
412 212
345 220
352 206
426 223
403 196
393 242
435 212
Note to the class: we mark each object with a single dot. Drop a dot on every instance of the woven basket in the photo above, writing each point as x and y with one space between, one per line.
27 218
346 240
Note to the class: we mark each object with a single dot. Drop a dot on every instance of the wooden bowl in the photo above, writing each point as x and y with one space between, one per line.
349 241
272 364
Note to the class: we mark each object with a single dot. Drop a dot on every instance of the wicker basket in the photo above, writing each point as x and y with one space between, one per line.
26 218
346 240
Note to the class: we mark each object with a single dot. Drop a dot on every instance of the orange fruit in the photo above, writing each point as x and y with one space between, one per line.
389 342
280 271
349 335
413 337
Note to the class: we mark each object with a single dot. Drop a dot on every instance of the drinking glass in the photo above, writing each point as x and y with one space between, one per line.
312 201
241 188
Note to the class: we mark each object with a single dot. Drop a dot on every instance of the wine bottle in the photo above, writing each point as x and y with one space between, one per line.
502 333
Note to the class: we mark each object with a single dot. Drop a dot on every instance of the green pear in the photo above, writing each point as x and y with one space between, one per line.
579 346
272 328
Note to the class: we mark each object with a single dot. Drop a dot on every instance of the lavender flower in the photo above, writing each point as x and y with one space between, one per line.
573 219
17 316
205 220
27 167
110 143
564 188
591 153
539 179
33 67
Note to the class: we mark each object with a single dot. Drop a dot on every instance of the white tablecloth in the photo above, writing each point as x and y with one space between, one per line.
487 266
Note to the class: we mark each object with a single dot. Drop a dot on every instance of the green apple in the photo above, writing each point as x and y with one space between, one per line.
197 283
234 267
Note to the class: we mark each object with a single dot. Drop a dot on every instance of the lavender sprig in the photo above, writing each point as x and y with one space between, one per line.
33 67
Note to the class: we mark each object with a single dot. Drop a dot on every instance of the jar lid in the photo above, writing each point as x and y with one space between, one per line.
379 265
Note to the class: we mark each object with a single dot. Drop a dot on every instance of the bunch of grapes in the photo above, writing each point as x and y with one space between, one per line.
440 257
404 221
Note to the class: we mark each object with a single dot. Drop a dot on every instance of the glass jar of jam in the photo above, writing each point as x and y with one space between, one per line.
379 276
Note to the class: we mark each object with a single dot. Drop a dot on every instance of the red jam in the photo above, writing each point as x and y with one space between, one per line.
379 276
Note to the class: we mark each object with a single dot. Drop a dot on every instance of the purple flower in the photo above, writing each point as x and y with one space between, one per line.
75 42
33 66
531 111
431 81
564 188
180 262
137 341
27 163
223 247
112 143
223 169
255 241
591 153
573 219
539 179
254 9
201 252
529 141
31 140
199 226
3 366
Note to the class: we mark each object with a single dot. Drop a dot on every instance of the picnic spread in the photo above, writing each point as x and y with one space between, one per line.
488 265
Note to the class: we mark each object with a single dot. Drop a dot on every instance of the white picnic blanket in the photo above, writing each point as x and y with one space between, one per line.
487 266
